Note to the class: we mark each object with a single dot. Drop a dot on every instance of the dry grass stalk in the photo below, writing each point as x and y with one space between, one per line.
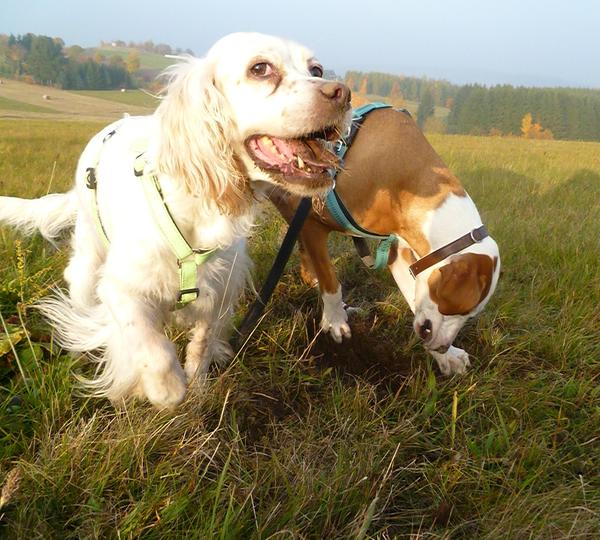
10 487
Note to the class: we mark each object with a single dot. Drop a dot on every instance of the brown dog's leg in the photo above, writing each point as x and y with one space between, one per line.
314 241
313 238
317 264
307 272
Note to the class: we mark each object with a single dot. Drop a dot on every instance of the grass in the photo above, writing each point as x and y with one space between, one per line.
301 438
14 105
26 100
131 97
38 156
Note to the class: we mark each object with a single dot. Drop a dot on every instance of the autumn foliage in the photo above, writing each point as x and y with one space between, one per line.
534 130
361 95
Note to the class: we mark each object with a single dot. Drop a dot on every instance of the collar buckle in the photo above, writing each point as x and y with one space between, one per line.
477 235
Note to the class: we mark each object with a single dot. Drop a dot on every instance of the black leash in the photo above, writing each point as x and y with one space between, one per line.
287 246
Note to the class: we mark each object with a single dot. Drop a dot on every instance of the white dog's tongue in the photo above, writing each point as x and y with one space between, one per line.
275 151
292 153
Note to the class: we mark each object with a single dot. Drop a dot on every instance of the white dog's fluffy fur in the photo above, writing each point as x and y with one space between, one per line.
120 296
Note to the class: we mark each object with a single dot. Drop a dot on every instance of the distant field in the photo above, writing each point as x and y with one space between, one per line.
130 97
66 105
302 438
147 60
14 105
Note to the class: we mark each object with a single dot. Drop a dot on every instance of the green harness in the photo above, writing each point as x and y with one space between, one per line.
189 259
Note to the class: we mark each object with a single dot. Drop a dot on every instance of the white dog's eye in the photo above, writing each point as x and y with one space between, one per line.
316 71
262 69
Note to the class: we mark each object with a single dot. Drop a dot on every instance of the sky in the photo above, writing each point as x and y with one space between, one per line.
519 42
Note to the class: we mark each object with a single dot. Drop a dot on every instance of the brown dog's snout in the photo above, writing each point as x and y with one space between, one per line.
336 91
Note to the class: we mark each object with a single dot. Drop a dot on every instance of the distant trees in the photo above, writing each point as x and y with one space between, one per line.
133 61
426 108
364 86
46 61
396 99
409 88
74 52
564 113
149 46
534 130
90 75
359 96
350 82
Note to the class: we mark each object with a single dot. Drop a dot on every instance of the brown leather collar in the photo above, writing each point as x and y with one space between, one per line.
473 237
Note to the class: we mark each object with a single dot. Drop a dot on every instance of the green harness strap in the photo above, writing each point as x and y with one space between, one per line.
188 258
92 184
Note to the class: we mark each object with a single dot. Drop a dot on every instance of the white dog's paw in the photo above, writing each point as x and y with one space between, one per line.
337 325
198 359
165 390
454 360
335 317
196 369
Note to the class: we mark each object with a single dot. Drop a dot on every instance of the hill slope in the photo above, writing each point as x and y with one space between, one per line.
61 104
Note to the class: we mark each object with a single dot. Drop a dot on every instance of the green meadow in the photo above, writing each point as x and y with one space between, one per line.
130 97
302 438
15 105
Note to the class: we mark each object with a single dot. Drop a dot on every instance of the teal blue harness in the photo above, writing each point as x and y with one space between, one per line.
340 213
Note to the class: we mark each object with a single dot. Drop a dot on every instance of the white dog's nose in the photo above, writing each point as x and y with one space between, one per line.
336 91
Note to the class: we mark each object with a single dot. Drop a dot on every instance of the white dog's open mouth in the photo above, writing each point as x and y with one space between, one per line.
298 159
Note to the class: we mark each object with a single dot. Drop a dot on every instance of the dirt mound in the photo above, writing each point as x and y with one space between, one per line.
366 355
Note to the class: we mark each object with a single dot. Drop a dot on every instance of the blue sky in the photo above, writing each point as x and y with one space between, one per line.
530 42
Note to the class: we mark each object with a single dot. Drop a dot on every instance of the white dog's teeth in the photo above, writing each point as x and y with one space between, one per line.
267 141
300 162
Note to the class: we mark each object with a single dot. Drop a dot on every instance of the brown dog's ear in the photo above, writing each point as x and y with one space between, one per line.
459 286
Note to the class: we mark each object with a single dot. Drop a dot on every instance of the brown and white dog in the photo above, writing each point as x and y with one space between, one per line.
393 181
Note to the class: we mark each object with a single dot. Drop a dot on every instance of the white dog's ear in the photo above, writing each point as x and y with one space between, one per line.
196 129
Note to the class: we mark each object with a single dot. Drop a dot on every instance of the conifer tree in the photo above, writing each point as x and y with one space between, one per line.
426 108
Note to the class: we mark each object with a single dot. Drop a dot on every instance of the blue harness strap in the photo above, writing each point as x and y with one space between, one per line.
358 115
340 213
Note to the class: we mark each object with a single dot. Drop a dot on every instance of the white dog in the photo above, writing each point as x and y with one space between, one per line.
254 108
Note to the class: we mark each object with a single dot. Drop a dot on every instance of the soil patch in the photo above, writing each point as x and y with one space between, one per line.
365 355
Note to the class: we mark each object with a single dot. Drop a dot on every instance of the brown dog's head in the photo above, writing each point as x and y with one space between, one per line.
461 285
453 292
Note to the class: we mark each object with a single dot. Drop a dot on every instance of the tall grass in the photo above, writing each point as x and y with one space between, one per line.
302 438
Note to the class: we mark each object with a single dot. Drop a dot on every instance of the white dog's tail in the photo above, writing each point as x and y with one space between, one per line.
89 329
50 214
